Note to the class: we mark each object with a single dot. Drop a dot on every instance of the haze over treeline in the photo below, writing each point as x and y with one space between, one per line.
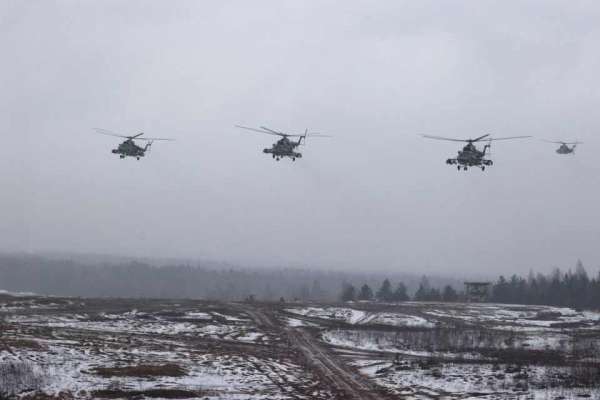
55 276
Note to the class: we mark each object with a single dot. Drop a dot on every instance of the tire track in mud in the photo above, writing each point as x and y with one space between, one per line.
345 382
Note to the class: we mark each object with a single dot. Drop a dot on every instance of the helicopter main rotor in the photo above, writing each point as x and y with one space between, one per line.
486 137
268 131
132 137
561 142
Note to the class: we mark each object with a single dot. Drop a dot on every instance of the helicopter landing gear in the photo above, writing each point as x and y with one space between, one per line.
122 156
138 158
277 159
483 167
293 158
273 155
458 167
465 168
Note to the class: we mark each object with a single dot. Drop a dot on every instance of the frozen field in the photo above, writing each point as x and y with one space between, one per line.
441 350
148 349
118 348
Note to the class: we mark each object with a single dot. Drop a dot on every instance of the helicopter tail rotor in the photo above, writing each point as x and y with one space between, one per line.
303 137
148 146
487 149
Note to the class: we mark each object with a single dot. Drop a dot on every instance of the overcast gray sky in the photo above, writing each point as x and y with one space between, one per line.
375 75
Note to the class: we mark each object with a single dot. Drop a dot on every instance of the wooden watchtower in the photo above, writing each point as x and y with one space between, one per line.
477 292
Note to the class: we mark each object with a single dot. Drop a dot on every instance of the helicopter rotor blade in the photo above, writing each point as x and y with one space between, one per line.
553 141
258 130
479 138
274 131
560 142
109 133
150 139
510 138
131 137
445 138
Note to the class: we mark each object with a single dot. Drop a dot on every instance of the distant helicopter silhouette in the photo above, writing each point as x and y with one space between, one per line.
564 146
470 155
284 147
128 148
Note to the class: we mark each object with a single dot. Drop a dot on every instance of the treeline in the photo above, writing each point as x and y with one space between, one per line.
566 289
94 277
138 279
388 293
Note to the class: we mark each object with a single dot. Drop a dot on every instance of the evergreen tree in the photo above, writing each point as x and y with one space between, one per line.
449 294
570 289
434 295
385 291
400 294
500 291
348 293
422 293
365 293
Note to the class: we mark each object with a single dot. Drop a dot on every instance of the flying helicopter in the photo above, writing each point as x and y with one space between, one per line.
470 155
284 147
564 146
128 148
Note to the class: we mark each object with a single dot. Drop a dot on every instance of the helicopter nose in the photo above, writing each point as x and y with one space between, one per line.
114 151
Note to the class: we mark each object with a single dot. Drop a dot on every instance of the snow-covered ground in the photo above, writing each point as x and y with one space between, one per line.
347 315
193 323
514 326
427 315
224 351
472 381
70 368
462 351
360 317
514 316
222 354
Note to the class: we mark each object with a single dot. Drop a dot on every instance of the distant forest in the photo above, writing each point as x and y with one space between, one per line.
92 277
565 289
120 278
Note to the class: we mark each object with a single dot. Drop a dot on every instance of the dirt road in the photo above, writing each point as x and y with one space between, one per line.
342 380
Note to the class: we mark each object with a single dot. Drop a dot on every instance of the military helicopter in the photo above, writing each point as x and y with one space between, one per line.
470 155
564 146
128 148
284 147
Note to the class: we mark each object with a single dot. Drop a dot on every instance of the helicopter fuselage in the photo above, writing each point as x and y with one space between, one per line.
284 148
129 149
470 156
564 149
